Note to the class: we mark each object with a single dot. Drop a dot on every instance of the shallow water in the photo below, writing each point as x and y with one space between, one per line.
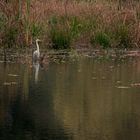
77 99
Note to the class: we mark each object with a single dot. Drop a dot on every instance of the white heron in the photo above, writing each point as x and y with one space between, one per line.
37 60
36 53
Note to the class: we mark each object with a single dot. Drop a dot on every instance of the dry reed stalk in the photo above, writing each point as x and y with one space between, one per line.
106 13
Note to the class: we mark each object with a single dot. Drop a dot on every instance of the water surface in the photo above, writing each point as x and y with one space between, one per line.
78 99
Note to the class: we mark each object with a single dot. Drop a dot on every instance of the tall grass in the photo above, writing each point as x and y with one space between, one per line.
27 21
102 23
63 30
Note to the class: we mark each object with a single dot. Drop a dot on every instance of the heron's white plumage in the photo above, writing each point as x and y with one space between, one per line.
36 53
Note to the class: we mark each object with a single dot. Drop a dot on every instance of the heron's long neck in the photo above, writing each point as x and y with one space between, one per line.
37 46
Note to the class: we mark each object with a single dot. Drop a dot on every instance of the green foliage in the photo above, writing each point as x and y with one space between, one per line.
60 34
75 26
2 21
60 39
53 21
64 30
36 30
102 39
122 35
11 36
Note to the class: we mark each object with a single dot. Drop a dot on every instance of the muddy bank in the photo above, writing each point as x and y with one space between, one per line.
25 55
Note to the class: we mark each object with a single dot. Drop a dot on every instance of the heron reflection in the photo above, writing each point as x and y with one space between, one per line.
36 68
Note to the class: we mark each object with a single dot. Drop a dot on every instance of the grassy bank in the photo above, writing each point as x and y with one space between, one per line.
70 23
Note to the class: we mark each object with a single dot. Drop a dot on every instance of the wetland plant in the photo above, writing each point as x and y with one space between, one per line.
60 39
36 30
74 21
59 33
123 37
101 39
63 30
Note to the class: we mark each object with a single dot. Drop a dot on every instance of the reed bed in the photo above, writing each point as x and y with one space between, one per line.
70 23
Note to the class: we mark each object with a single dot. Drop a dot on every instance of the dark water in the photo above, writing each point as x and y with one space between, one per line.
84 99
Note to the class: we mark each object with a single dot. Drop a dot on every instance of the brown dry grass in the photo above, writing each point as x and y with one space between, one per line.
107 14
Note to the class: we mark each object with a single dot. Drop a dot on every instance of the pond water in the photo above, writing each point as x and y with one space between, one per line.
78 99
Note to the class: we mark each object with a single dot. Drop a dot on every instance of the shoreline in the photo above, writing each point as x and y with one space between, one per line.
24 56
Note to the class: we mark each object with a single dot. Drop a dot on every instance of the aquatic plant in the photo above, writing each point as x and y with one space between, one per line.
11 36
75 26
102 23
27 22
2 20
60 39
36 30
64 30
122 36
102 39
